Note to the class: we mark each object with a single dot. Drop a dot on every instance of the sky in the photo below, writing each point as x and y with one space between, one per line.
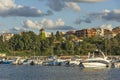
54 15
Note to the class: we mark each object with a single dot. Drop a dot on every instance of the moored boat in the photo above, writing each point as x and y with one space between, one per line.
96 59
75 61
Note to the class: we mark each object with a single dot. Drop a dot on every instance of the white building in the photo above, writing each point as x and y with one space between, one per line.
47 34
7 36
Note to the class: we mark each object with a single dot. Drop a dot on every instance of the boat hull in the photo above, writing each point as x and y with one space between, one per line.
94 65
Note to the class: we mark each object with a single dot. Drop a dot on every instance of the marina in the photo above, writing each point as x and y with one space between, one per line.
95 59
95 66
59 40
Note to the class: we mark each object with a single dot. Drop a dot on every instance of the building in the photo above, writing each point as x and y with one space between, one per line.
105 33
47 34
116 31
86 33
99 32
69 33
44 34
7 36
108 34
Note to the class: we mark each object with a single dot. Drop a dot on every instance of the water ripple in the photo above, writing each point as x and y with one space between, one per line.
27 72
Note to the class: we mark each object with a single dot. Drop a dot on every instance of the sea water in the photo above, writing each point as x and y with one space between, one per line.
27 72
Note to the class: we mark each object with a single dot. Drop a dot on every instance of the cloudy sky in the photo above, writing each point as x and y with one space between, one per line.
23 15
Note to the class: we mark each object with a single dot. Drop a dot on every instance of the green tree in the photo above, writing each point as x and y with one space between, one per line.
42 34
69 47
58 36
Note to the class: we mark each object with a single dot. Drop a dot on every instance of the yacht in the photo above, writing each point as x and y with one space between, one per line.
96 59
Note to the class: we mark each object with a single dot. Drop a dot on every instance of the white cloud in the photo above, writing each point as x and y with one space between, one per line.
7 4
106 26
46 24
116 11
9 8
13 30
105 15
73 6
106 11
18 29
60 22
31 24
58 5
108 15
113 15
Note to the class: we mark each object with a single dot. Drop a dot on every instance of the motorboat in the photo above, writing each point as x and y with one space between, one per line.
7 62
96 59
54 61
50 61
75 61
18 61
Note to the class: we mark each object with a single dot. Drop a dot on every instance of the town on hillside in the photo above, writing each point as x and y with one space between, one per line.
72 42
91 32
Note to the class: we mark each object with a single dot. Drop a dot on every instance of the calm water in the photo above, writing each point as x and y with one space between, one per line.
27 72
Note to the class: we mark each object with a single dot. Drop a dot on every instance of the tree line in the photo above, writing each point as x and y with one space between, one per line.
29 44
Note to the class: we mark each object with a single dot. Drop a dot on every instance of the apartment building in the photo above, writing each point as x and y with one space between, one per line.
86 33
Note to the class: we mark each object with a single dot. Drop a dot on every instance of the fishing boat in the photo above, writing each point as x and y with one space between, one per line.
96 59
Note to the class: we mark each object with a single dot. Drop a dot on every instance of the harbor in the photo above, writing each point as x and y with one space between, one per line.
59 40
91 67
95 59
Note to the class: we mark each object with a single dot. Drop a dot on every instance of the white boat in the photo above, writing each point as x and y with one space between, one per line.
75 60
18 61
96 59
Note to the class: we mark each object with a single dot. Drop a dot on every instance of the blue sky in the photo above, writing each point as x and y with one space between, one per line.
53 15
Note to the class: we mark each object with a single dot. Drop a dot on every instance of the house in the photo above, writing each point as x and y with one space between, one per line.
7 36
116 31
108 34
69 33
